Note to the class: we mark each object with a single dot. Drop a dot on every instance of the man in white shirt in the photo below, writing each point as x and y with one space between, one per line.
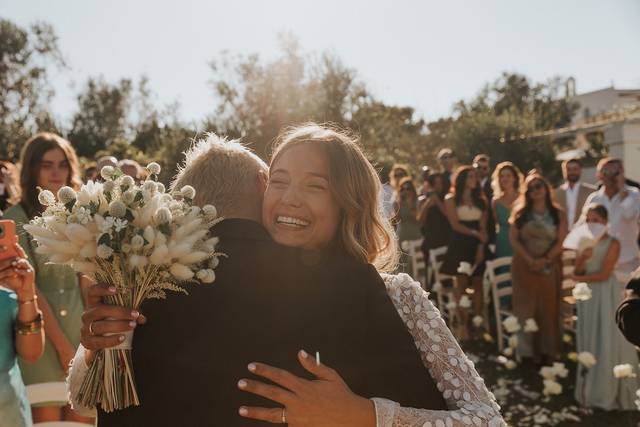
573 194
623 204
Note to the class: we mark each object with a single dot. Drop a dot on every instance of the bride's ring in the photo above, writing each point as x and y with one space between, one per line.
284 416
91 329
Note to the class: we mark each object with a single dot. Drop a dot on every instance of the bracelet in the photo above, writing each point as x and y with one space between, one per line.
32 327
28 301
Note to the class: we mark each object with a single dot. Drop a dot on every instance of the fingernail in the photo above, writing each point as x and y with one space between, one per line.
303 354
121 338
243 411
252 367
132 324
14 263
112 289
242 384
135 314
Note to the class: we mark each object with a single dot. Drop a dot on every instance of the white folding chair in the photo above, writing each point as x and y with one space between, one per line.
418 265
568 309
500 287
444 294
51 392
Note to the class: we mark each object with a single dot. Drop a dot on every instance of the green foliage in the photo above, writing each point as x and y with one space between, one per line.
24 89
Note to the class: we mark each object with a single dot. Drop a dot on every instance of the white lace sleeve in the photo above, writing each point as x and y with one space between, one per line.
77 372
464 391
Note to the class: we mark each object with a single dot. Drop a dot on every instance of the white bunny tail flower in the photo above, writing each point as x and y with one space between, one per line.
149 235
193 257
586 359
623 371
117 209
581 292
159 254
89 250
154 168
181 271
213 262
46 198
530 325
107 172
206 276
66 194
188 192
511 324
78 234
138 261
104 251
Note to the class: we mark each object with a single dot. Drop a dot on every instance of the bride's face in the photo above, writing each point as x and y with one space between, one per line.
299 208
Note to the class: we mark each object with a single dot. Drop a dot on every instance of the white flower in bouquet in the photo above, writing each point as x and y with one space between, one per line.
107 172
128 197
108 186
623 371
104 251
210 211
149 187
138 261
581 292
137 242
560 369
126 181
511 324
551 387
46 198
206 275
181 271
160 188
530 325
117 209
513 341
66 195
464 302
586 359
477 321
162 216
188 192
465 268
89 193
125 248
154 168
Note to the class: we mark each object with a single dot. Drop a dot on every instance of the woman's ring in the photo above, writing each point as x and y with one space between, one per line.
91 329
284 416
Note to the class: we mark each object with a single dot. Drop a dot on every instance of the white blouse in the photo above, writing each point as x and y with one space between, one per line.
464 391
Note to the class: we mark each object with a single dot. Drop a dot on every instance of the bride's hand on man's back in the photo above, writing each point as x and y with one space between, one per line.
103 325
326 401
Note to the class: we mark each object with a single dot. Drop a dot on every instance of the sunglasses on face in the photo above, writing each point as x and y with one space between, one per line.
537 186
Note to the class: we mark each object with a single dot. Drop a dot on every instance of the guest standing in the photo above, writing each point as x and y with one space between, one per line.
406 205
596 330
573 193
506 182
432 215
447 162
538 228
482 165
49 162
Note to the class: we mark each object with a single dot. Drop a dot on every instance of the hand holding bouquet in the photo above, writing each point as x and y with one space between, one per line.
136 238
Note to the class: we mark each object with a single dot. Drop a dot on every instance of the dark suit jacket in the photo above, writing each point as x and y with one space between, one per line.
268 302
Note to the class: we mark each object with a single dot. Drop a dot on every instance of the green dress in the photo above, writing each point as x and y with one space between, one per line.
503 242
597 333
14 406
59 285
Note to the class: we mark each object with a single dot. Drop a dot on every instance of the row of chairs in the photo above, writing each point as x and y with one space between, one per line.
498 278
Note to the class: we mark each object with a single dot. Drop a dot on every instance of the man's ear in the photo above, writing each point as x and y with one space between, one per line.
263 178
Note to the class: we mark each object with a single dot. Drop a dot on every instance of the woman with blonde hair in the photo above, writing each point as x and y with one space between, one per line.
323 193
48 161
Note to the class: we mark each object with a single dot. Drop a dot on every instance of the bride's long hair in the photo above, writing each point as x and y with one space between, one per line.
363 232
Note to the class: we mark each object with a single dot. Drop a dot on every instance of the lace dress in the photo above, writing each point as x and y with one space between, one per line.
470 402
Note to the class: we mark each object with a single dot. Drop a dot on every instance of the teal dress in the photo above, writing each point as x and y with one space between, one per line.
598 334
59 284
408 229
14 406
503 241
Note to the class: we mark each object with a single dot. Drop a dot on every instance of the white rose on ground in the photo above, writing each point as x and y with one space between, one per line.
107 172
581 292
513 341
46 198
547 372
624 370
464 302
478 321
530 325
560 369
451 305
508 352
154 168
437 287
104 251
586 359
465 268
66 194
573 356
188 192
511 324
510 364
551 388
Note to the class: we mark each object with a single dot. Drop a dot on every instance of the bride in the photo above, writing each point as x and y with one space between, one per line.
322 191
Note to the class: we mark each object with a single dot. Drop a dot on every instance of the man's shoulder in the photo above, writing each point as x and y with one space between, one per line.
586 186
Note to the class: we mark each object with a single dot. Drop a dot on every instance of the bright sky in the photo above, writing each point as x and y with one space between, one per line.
426 54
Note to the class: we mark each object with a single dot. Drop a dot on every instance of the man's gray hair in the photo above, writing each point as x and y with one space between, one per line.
223 173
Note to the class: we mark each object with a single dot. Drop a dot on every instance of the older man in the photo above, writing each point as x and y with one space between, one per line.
573 193
623 204
268 302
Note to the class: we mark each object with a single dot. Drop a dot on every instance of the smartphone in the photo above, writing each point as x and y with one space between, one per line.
8 239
